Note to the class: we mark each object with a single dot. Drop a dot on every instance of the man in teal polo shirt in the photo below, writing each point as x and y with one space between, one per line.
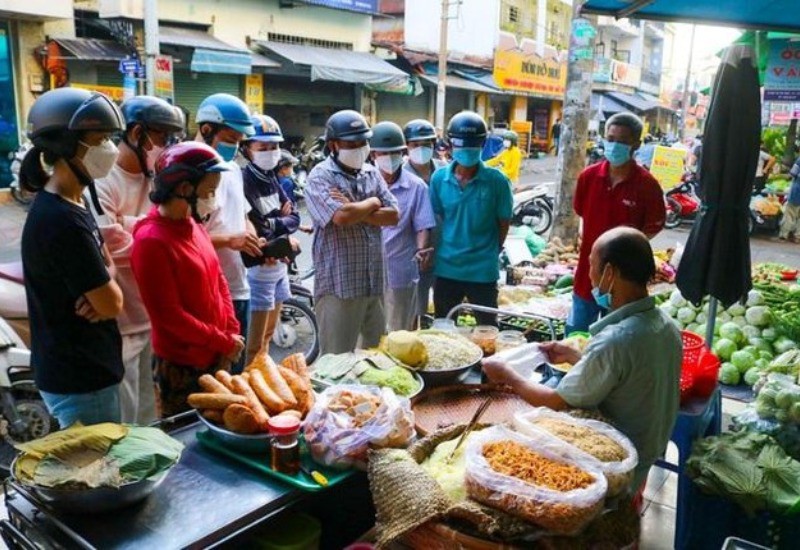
473 203
631 369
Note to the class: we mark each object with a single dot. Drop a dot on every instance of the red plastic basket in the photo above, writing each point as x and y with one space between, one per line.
693 345
706 372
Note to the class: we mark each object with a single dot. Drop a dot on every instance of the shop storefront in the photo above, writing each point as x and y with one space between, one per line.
9 131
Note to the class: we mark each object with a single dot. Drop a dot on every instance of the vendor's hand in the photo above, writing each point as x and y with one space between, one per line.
560 353
338 196
286 209
85 309
499 372
248 243
425 258
237 350
306 229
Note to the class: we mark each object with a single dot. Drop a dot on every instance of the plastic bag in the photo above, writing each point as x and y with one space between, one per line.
560 512
619 474
787 436
779 399
348 420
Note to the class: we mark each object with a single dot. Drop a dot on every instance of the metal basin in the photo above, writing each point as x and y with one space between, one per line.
253 444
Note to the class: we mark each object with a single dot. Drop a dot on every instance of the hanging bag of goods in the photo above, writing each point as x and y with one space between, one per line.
535 479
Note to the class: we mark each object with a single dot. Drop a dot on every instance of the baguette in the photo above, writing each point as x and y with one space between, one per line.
217 401
242 387
240 419
300 388
212 415
297 363
269 398
224 377
212 385
273 378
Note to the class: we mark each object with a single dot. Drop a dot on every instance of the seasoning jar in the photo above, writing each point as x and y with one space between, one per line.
443 324
285 448
485 336
507 339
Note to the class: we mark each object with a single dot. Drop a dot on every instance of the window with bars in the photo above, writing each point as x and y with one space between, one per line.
513 14
305 41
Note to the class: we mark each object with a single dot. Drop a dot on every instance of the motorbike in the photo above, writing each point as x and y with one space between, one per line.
297 330
682 203
20 195
595 154
534 208
759 221
308 160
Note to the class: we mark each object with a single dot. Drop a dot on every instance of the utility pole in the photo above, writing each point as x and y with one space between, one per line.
685 99
151 47
574 124
441 86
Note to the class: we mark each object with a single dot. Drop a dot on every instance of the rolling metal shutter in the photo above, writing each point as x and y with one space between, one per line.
192 88
280 91
402 108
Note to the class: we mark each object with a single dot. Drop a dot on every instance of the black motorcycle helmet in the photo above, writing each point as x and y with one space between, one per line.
151 113
419 130
347 125
467 129
387 137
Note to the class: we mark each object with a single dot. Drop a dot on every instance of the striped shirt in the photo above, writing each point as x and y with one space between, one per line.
348 260
400 241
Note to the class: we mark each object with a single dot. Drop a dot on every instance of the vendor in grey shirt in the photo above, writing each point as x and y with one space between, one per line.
631 369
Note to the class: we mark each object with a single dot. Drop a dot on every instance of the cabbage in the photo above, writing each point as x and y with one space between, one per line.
751 349
692 327
765 409
743 361
766 355
669 309
724 317
783 344
728 374
702 329
754 298
762 363
751 332
741 321
724 348
760 344
731 331
769 334
706 306
676 299
757 316
686 315
751 376
701 317
736 310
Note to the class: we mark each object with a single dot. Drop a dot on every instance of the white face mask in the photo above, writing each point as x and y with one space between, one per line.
507 143
150 155
266 160
354 158
206 206
389 164
99 159
421 155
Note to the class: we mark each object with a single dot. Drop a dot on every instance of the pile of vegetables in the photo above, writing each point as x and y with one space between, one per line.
766 273
556 252
784 302
768 206
779 399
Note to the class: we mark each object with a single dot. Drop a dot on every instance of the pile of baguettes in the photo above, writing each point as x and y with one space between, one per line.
243 403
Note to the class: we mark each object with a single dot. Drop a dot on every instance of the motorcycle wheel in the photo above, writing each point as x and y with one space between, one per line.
542 225
37 419
299 332
673 219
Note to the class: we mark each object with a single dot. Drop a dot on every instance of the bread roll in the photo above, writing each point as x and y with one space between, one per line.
214 400
224 377
269 398
212 385
274 379
242 387
212 415
240 419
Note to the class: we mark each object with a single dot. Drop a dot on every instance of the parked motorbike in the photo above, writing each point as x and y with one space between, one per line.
764 222
20 195
682 202
596 154
308 160
297 330
534 208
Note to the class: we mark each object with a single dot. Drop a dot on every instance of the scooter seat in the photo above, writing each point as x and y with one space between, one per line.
12 271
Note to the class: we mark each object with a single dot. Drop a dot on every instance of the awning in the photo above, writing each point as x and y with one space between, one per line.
605 104
210 55
264 62
633 101
92 49
456 82
653 99
343 66
765 15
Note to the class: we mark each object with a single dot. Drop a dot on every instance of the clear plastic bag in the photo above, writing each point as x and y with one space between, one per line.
348 420
560 512
619 474
779 399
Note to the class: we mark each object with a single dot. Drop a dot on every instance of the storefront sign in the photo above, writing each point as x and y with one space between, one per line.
363 6
254 92
667 166
782 78
617 72
164 87
116 93
518 71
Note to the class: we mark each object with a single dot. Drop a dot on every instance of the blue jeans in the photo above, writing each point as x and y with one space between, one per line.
583 314
87 408
242 310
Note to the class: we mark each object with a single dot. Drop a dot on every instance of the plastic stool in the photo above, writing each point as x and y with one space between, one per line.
696 419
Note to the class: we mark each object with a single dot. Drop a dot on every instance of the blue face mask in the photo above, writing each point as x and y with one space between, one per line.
467 156
226 150
617 153
602 299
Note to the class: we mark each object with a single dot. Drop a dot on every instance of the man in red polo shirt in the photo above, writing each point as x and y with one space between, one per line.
610 194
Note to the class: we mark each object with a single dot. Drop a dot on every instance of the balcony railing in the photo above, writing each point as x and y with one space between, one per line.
651 77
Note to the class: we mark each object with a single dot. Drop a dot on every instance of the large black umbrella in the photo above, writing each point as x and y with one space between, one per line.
716 261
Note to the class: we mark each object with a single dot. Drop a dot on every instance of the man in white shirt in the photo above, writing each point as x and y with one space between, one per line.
223 122
151 124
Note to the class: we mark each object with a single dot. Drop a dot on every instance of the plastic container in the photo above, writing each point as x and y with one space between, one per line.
507 339
485 336
693 345
290 531
447 325
285 447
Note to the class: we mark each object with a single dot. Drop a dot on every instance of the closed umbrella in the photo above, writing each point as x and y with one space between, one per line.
716 261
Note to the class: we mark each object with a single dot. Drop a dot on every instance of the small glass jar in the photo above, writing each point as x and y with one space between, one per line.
444 324
285 447
485 336
508 339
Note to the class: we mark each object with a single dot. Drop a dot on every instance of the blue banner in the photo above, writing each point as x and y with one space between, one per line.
782 78
363 6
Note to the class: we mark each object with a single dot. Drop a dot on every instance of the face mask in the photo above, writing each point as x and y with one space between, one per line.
226 150
150 156
389 164
206 206
99 159
617 153
421 155
467 156
266 160
354 158
507 143
602 299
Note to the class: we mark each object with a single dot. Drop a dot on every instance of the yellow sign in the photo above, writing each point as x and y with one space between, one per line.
667 166
254 92
116 93
164 86
518 71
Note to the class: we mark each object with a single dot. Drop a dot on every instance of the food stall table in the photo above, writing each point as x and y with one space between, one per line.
204 501
452 314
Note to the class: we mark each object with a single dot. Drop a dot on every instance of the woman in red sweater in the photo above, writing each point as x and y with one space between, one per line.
195 330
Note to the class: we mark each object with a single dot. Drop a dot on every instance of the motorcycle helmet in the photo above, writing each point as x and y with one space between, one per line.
188 161
511 136
287 159
419 130
152 112
347 125
266 129
467 129
225 110
387 137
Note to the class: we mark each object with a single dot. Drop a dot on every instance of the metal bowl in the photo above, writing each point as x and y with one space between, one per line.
252 444
440 377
